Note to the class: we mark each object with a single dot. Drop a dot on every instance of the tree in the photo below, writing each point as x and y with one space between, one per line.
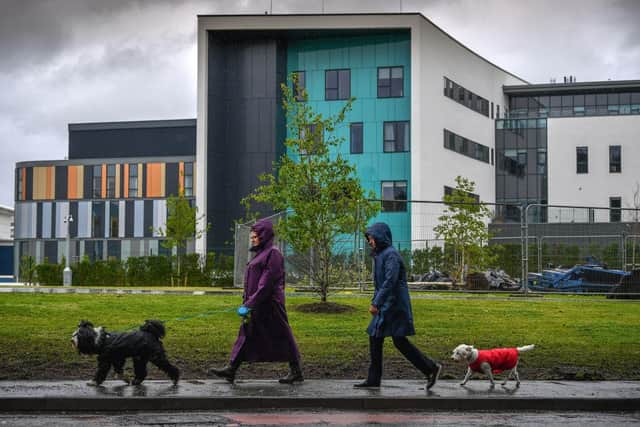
181 226
318 188
463 228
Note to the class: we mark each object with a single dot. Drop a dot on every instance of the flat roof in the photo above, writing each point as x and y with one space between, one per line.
323 15
574 87
106 160
142 124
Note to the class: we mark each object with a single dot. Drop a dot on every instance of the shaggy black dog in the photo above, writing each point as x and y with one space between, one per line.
142 346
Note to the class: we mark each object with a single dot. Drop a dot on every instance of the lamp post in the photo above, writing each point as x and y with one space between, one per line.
67 274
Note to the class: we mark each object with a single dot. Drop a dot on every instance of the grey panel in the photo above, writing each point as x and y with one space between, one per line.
148 218
132 141
244 76
61 182
172 175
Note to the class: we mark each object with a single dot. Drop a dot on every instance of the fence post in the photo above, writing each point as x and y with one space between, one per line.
524 236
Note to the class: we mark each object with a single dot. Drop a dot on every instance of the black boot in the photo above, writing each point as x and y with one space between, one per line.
228 372
294 375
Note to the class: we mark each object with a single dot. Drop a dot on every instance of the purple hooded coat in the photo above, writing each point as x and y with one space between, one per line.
267 337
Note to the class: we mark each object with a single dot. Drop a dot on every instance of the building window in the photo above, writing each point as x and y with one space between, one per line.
133 180
300 85
448 191
465 97
582 159
111 181
356 142
337 84
396 137
541 165
97 219
390 82
394 196
188 179
615 158
20 183
615 214
97 182
466 147
113 218
317 137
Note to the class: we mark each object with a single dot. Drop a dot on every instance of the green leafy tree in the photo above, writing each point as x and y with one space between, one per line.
182 226
318 188
463 228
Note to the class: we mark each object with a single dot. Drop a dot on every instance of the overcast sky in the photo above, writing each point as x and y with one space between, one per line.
75 61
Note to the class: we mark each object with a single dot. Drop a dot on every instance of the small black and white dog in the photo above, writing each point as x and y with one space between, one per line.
113 349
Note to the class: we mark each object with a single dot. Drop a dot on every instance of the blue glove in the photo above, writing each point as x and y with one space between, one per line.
243 311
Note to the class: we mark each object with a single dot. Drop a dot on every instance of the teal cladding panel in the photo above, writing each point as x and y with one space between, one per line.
363 55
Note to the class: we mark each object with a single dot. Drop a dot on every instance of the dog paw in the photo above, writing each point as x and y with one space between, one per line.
92 383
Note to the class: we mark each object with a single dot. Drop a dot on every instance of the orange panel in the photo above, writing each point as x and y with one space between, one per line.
125 176
181 178
104 181
117 181
72 177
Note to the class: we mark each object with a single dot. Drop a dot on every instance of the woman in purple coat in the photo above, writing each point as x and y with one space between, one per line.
265 335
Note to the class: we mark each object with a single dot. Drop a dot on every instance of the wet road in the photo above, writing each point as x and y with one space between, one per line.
324 417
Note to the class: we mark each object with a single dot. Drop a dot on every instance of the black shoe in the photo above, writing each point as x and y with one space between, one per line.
433 378
228 373
291 378
367 384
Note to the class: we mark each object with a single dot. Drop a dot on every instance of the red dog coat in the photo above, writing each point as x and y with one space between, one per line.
500 359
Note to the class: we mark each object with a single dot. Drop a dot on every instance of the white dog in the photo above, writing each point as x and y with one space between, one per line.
490 362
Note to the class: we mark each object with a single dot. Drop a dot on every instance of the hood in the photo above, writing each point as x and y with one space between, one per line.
381 233
264 229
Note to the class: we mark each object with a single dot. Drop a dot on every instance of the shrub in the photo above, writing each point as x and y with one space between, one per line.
49 274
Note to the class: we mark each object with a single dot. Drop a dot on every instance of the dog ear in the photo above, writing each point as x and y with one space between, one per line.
469 348
85 324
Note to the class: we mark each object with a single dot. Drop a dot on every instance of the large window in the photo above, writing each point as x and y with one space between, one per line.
448 191
466 97
97 219
97 182
615 203
580 104
466 147
615 158
111 181
188 179
337 84
390 82
582 159
114 218
133 180
394 196
356 140
300 79
20 184
316 133
396 137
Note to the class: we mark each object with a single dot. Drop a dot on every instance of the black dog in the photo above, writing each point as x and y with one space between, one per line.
142 346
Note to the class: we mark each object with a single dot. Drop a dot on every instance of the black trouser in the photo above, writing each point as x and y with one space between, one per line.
421 361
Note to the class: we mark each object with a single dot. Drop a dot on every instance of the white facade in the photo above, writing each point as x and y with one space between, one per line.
436 55
594 188
6 223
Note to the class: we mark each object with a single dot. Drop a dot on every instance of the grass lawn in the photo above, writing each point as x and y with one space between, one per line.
586 337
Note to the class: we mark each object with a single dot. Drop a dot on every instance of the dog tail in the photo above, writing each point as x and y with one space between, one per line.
154 327
526 348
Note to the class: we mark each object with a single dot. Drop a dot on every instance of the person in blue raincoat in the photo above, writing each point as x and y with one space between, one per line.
391 310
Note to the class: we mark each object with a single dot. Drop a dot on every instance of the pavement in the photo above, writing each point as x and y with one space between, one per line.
192 395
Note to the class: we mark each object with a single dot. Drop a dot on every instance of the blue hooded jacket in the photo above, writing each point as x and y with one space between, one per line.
391 295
